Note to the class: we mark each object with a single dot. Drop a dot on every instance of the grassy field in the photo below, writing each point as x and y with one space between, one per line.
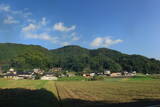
28 93
127 92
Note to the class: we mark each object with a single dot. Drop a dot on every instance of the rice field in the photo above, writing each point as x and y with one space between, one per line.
110 92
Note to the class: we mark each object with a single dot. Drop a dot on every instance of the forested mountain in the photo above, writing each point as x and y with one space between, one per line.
73 58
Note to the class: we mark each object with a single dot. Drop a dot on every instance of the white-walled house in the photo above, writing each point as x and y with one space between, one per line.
92 74
117 74
49 77
125 73
107 72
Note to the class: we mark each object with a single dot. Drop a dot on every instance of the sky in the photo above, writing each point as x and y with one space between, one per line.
129 26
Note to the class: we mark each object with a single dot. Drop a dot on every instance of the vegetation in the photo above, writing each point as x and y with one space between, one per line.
74 78
73 58
27 93
129 92
109 92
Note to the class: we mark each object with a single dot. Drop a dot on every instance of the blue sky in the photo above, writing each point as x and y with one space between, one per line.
129 26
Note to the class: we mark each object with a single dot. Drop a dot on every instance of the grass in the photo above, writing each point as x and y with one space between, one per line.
132 91
27 93
74 78
120 91
143 90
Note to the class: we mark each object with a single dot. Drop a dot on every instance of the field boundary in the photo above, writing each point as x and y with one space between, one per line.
59 98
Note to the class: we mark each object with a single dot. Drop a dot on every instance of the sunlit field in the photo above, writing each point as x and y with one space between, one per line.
27 93
109 92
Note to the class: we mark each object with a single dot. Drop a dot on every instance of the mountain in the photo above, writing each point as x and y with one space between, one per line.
10 50
73 58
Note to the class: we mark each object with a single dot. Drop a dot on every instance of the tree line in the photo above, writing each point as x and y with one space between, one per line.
74 58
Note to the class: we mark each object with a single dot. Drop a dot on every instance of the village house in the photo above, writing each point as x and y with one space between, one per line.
125 73
100 73
86 75
13 76
89 75
49 76
107 72
117 74
11 71
25 75
10 76
134 73
71 74
19 78
92 74
56 69
38 71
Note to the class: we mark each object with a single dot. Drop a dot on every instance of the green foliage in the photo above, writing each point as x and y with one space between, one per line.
98 78
75 78
73 58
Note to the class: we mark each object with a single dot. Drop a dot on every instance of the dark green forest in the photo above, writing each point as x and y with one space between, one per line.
73 58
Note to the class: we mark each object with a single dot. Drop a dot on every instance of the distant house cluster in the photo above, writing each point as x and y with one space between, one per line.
34 74
111 74
55 73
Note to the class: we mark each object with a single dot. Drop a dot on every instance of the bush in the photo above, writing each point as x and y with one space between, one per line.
156 76
74 78
98 78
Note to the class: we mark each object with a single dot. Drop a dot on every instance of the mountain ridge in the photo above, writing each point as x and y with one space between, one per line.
73 58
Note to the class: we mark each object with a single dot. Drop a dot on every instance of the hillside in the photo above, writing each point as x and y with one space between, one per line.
10 50
73 58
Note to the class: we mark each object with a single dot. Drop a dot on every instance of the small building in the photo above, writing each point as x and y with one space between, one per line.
125 73
134 72
11 71
107 72
86 75
25 76
38 71
117 74
100 73
19 78
89 75
49 77
56 69
92 74
10 76
71 74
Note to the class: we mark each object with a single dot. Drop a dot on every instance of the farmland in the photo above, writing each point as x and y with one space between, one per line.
109 92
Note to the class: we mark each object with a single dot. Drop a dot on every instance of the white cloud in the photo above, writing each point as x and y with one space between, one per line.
4 7
31 20
38 29
43 21
30 27
104 42
60 27
10 20
41 36
22 14
35 26
65 43
26 14
74 36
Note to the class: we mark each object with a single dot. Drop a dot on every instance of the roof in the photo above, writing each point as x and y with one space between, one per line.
49 73
24 73
10 75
